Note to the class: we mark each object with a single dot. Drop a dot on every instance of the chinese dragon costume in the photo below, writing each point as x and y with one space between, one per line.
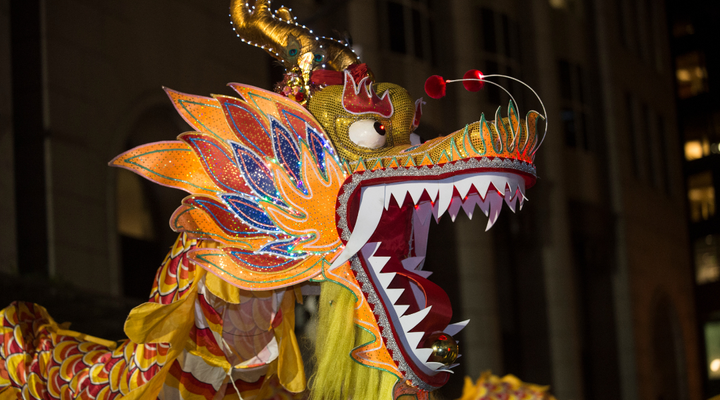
318 187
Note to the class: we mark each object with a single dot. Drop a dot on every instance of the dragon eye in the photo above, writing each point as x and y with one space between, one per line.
379 128
367 133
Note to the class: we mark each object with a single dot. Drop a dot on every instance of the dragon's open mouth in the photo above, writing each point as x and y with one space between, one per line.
389 221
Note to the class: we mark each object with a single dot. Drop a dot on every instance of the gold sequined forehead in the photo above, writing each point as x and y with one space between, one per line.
326 106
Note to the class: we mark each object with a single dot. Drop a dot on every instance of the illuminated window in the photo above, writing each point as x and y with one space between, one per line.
133 212
694 150
701 195
691 74
706 260
712 349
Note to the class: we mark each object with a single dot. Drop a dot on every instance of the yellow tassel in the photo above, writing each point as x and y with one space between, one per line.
337 375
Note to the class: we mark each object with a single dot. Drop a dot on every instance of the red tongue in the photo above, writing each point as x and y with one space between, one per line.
393 233
441 312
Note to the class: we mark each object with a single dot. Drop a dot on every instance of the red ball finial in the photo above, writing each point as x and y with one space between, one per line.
435 86
474 85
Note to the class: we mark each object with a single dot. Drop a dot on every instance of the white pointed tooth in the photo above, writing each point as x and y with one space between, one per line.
445 188
500 183
448 368
397 191
496 202
394 294
463 185
414 338
423 211
423 273
411 263
388 196
481 183
432 188
399 195
415 189
385 278
436 212
378 263
510 199
423 354
485 205
435 365
469 204
369 249
400 309
410 321
454 208
372 200
454 329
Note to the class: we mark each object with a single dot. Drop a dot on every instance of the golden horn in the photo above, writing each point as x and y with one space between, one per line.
261 28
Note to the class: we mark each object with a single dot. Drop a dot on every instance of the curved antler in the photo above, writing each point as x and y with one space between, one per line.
280 36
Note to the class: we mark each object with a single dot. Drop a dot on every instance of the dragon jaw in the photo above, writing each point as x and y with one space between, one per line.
384 218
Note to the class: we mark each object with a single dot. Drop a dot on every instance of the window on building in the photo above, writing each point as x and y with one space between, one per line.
701 195
626 21
493 92
712 349
487 17
664 171
574 112
396 27
691 74
563 4
707 269
682 28
641 24
696 149
499 33
649 133
632 123
134 218
409 28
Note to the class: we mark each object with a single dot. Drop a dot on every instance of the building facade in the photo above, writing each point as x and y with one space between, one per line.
588 289
693 26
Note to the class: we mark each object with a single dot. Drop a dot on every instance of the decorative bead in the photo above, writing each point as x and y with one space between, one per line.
473 85
444 347
435 86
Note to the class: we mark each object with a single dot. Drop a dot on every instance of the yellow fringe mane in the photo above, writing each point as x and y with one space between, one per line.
337 375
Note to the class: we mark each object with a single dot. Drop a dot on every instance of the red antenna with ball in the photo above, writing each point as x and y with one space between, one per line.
473 81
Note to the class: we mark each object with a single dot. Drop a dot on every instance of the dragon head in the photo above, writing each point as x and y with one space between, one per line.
335 188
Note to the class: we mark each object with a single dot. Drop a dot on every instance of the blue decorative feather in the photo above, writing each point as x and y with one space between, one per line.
250 212
256 173
286 151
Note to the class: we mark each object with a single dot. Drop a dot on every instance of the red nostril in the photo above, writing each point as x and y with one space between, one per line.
473 85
